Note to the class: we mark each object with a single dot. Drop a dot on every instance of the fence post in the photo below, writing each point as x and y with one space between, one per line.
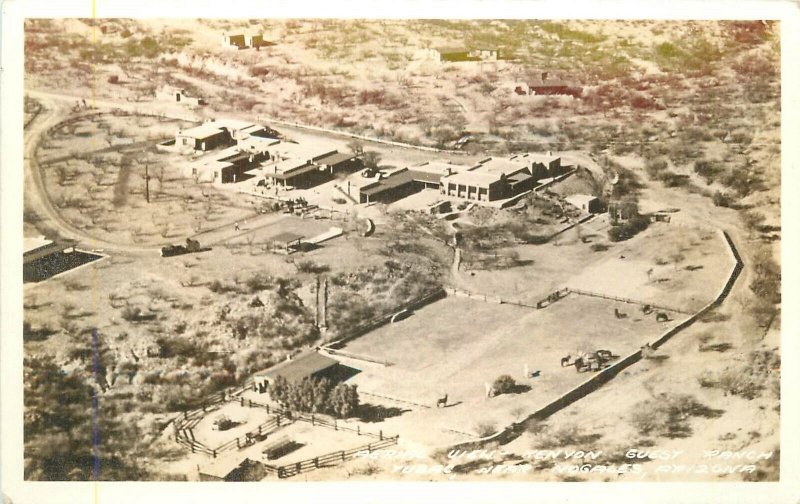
342 455
267 409
185 415
214 453
237 444
316 462
358 430
369 448
335 426
380 434
279 419
242 401
312 419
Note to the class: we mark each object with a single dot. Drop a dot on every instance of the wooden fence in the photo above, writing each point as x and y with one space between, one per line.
604 376
327 460
628 301
376 322
314 419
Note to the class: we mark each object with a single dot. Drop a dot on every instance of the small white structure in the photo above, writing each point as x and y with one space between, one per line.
584 202
177 95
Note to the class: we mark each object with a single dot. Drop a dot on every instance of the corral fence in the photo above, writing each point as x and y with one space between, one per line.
538 305
313 419
599 379
328 460
628 301
376 322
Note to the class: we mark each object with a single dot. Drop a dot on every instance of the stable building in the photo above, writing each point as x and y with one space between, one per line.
308 364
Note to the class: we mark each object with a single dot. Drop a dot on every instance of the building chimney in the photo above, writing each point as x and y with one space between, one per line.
544 76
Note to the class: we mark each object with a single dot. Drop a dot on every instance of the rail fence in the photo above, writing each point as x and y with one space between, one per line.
376 322
598 380
542 303
628 300
328 460
313 419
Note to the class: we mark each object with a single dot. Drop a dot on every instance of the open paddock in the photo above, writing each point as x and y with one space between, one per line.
475 342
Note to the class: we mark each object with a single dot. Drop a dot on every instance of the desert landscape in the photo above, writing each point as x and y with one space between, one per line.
429 250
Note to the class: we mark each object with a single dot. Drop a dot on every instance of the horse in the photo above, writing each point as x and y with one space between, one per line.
442 402
565 361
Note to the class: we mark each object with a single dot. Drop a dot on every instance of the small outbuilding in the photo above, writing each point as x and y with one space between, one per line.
585 202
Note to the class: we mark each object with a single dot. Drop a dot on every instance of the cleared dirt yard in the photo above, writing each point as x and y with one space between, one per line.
475 342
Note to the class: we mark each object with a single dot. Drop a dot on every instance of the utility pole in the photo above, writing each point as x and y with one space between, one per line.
146 183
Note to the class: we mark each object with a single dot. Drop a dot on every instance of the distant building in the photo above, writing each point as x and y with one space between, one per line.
541 166
299 167
217 133
585 202
309 364
177 95
242 40
548 86
489 180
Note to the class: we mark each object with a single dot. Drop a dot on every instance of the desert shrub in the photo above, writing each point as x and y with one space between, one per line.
722 199
309 266
131 313
666 415
504 384
599 247
628 229
486 429
259 282
761 371
654 167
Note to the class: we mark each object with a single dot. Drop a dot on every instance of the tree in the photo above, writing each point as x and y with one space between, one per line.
60 427
356 147
371 159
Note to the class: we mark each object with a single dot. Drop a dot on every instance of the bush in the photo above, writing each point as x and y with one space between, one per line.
722 199
504 384
666 415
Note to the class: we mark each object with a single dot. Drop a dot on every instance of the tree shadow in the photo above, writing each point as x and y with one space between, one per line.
373 413
716 347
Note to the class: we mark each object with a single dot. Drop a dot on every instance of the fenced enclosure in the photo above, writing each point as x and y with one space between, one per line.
328 460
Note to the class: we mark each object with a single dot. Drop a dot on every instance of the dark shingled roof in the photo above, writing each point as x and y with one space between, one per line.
301 366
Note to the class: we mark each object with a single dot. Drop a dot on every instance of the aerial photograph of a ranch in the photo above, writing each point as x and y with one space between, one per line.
401 250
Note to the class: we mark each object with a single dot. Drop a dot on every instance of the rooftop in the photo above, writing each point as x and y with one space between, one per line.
400 178
334 158
301 366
